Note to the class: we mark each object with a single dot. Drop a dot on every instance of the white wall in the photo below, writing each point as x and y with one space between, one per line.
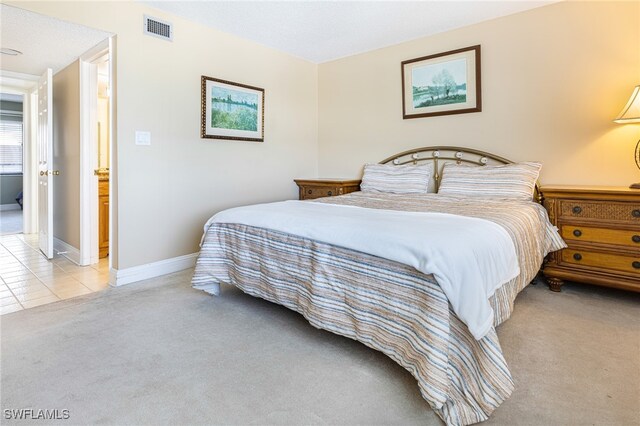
553 79
166 191
66 155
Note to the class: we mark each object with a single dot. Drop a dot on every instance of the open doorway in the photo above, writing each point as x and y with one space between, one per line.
96 129
11 163
18 184
31 276
102 142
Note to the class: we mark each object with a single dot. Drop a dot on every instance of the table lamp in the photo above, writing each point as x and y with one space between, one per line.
631 114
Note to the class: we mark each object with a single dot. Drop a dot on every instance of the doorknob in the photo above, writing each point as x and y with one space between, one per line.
56 172
42 173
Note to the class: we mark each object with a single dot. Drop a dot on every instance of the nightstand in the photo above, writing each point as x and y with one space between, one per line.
316 188
601 226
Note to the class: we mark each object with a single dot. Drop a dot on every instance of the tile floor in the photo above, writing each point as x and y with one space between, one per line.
28 279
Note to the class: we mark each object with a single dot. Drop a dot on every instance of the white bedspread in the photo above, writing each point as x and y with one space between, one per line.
469 257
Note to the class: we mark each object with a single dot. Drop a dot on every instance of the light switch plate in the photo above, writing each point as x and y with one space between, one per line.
143 138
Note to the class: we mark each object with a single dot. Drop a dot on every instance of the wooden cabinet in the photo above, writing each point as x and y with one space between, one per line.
103 216
317 188
601 226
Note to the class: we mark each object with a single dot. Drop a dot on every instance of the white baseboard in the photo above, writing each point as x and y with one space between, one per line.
120 277
14 206
64 249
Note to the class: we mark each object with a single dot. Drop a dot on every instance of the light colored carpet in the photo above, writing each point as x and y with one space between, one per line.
159 352
10 222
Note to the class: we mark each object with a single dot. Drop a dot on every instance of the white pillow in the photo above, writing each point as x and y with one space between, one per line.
510 181
406 179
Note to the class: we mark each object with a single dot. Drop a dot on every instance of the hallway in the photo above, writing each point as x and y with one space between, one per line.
28 279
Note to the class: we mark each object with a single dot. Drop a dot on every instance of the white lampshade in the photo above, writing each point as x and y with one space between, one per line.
631 112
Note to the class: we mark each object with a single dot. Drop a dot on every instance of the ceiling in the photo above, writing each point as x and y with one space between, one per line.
44 41
321 31
317 31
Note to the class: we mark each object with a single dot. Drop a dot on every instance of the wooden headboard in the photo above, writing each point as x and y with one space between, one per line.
440 155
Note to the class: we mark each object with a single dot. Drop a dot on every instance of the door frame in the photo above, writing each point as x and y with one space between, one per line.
89 250
26 85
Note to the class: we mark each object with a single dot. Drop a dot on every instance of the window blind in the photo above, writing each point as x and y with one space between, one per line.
10 147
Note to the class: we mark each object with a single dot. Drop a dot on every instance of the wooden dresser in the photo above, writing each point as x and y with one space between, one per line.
103 214
601 226
317 188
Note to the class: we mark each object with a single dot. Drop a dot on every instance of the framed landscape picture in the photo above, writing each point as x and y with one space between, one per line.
442 84
231 110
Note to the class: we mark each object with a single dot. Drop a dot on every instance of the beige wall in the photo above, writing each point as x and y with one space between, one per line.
553 78
103 134
66 155
167 191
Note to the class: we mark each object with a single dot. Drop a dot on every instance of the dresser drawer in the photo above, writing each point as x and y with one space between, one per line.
604 210
317 188
601 235
601 226
311 192
597 260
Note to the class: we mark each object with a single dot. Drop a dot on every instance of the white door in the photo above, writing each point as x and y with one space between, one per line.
45 162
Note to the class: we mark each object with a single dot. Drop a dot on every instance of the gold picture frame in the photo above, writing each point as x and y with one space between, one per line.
231 111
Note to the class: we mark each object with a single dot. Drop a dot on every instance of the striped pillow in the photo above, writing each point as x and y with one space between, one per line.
407 179
509 181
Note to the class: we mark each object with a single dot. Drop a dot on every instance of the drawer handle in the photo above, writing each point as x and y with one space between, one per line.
577 233
635 213
309 191
577 210
577 256
636 238
636 265
330 193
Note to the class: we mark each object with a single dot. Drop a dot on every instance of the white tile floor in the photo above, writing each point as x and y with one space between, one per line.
28 279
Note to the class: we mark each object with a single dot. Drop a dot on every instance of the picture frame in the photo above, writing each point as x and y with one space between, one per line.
231 111
442 84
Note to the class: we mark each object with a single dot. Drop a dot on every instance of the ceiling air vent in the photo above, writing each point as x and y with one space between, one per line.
158 28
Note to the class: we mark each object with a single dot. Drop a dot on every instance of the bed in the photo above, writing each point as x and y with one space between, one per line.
397 307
